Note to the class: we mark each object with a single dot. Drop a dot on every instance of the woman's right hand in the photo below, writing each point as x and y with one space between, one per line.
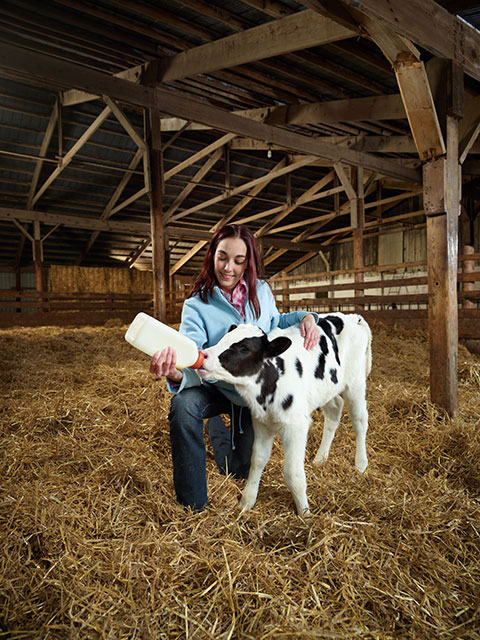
163 364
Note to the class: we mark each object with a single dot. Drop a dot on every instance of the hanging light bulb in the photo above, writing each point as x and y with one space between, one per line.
269 153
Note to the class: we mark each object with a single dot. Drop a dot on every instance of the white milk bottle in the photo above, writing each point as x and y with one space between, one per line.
150 335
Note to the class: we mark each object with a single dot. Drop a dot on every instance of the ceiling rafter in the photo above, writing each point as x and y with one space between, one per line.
229 216
18 59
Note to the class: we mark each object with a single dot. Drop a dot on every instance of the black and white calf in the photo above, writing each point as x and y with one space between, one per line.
282 383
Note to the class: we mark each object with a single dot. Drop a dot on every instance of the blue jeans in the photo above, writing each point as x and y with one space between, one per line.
232 449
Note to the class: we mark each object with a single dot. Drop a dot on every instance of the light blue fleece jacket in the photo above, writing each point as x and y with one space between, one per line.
207 322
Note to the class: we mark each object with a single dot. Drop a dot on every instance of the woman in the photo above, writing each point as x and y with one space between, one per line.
229 290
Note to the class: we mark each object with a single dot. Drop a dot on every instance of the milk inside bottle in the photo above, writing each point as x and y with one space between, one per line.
150 335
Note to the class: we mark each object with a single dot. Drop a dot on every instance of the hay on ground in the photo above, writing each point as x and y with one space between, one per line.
94 545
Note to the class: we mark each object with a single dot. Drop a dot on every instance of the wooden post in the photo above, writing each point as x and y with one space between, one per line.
441 184
285 296
468 267
357 218
38 261
156 214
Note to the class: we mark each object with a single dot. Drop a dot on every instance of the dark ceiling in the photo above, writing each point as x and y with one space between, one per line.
104 179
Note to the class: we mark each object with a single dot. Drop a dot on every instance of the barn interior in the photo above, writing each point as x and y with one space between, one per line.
345 134
130 131
334 88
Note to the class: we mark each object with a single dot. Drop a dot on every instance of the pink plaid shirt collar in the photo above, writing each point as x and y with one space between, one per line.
238 296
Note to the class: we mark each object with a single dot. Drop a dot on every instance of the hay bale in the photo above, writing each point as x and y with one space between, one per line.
94 545
69 279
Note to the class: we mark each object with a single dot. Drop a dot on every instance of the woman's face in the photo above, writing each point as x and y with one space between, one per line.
230 262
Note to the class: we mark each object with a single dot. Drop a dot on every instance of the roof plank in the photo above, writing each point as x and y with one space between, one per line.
67 73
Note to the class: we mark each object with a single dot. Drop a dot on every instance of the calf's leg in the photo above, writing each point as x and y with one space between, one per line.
357 407
262 448
294 440
332 412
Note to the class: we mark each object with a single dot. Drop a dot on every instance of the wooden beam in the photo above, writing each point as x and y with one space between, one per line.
141 229
41 66
108 211
469 127
300 261
361 142
125 122
314 189
199 175
357 221
227 218
65 161
156 215
298 31
75 222
414 88
419 105
301 30
199 155
429 25
389 107
43 152
344 178
185 192
133 198
247 185
76 96
442 178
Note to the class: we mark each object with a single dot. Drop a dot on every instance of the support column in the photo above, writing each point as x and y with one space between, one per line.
37 250
156 214
441 184
357 221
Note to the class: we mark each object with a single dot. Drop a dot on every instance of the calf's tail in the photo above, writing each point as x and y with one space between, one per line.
363 323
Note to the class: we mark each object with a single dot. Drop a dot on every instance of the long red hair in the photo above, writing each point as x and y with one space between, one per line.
206 280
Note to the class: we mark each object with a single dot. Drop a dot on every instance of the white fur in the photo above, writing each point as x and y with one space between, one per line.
309 393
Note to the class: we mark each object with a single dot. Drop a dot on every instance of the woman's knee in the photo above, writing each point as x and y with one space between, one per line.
186 404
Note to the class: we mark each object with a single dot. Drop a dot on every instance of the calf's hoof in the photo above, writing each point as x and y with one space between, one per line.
246 504
319 460
361 466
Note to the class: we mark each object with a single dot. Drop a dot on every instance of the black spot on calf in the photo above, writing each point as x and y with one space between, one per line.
337 323
325 325
323 345
280 365
299 368
287 402
333 376
267 378
320 369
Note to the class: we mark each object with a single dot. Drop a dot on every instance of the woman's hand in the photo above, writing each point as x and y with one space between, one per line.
310 331
163 364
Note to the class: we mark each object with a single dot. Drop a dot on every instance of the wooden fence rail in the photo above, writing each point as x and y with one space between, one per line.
30 307
315 292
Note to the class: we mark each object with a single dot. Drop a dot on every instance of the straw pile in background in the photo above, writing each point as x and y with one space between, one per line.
95 546
68 279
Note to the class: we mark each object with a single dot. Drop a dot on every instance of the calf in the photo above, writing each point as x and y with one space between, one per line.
282 383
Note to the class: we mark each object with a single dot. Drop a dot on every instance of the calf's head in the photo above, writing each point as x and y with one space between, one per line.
240 354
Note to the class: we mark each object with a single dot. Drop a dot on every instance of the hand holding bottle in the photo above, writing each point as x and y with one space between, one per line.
163 363
178 352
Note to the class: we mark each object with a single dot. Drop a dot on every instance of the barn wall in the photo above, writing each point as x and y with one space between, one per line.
392 248
8 280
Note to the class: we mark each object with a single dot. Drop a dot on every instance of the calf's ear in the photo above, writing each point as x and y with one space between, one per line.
277 346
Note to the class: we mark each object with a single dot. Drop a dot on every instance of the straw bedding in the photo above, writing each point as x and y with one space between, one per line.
94 545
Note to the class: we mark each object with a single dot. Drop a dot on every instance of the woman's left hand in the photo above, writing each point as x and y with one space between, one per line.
310 331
